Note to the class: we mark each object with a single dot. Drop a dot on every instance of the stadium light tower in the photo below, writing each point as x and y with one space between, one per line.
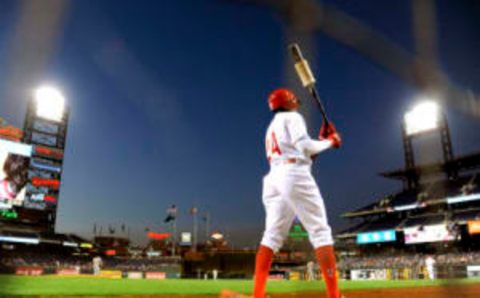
50 103
424 118
45 129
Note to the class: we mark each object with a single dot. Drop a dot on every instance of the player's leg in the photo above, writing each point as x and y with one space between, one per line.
279 217
309 207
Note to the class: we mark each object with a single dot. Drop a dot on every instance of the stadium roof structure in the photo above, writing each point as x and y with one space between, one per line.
462 163
441 191
64 240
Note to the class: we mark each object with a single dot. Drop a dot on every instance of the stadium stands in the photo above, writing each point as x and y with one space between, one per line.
439 217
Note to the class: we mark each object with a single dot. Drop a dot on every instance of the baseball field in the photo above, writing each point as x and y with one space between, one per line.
88 286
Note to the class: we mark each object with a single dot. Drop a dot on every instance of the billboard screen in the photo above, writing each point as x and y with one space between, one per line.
377 237
474 227
14 162
186 238
28 193
425 234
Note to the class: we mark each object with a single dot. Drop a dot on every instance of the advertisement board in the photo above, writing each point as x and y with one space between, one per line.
29 271
113 274
377 237
28 193
155 275
186 238
135 275
473 271
369 274
425 234
68 271
474 227
14 162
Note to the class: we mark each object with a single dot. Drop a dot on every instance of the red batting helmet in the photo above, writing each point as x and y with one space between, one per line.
283 99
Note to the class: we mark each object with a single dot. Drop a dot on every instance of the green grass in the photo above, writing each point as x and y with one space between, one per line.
54 285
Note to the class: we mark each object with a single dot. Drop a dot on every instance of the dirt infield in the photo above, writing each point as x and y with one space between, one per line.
464 291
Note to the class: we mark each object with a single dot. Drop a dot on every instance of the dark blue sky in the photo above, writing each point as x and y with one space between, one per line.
168 105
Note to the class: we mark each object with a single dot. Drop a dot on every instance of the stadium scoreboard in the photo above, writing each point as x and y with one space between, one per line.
32 169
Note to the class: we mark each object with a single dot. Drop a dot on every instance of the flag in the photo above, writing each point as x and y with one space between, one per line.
171 214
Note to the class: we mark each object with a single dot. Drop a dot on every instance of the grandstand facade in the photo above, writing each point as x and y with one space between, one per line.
436 213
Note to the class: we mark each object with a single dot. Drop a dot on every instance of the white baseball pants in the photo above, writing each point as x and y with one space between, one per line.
290 190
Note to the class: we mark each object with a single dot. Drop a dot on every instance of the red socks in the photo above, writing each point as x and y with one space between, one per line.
326 260
262 269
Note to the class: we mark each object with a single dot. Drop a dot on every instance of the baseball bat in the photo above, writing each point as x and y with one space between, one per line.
306 77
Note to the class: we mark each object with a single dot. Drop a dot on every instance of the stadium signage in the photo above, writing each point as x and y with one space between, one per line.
135 275
19 240
153 253
185 238
298 232
155 275
86 245
461 199
425 234
68 272
113 274
29 271
70 244
369 274
16 148
406 207
46 167
9 214
473 271
377 237
474 227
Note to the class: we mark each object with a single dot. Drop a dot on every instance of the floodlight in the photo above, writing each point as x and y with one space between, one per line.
50 103
217 236
425 116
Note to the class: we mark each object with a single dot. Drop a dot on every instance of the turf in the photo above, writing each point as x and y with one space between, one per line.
54 285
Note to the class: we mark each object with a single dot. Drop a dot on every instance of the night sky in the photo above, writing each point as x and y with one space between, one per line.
168 106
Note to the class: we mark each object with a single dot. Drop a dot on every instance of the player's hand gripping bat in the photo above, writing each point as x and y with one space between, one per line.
307 78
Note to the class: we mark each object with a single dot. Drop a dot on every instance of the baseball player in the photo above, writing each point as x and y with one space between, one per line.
289 190
97 264
430 266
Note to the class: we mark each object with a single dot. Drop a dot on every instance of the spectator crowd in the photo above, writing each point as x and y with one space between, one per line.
407 260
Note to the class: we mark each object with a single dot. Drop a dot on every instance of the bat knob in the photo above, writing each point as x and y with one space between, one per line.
296 52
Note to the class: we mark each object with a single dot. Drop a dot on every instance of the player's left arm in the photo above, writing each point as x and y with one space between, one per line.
300 138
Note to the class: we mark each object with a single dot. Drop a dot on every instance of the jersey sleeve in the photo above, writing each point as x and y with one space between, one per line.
313 147
297 130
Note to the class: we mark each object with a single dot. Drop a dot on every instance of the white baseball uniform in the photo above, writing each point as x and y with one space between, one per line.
430 263
289 189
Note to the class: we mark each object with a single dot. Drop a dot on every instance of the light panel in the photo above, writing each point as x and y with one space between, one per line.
50 103
425 116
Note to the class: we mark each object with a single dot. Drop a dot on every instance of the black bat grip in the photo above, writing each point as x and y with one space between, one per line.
314 93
